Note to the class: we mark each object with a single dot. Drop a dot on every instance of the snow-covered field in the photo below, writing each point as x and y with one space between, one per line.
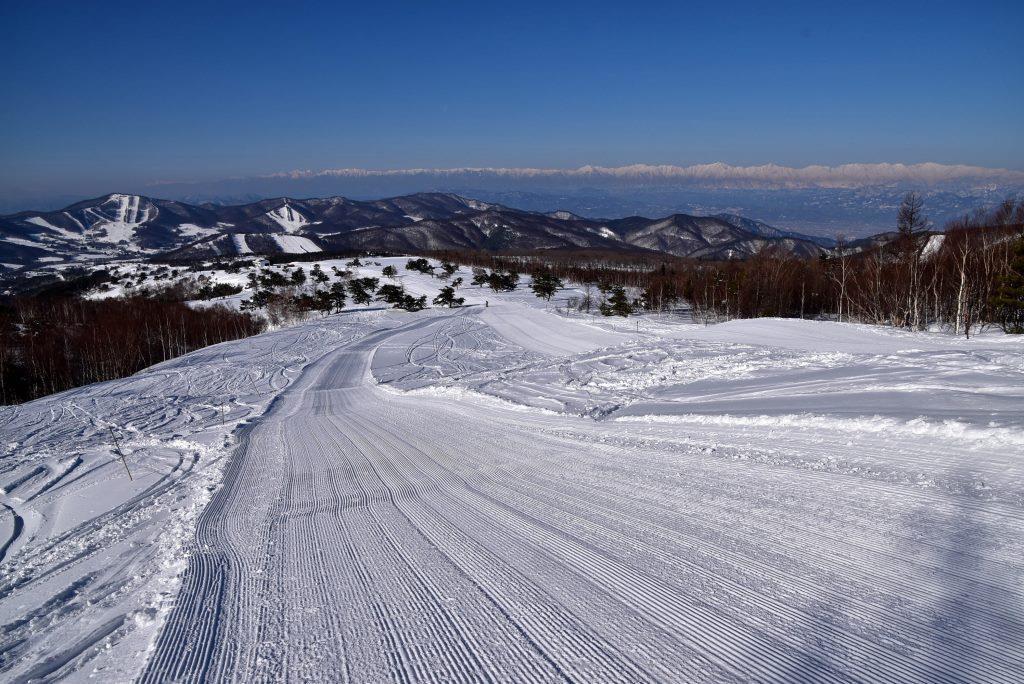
510 493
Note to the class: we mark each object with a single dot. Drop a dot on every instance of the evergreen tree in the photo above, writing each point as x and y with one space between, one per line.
362 290
503 282
410 303
447 298
420 265
337 295
617 304
389 272
1008 300
323 302
396 296
480 276
318 275
391 294
910 218
910 222
299 277
270 279
545 284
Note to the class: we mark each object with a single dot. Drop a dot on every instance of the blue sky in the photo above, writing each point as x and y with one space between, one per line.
97 93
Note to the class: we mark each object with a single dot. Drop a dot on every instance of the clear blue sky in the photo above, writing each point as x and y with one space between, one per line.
98 92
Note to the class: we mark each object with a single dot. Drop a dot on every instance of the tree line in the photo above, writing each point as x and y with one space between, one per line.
959 280
50 345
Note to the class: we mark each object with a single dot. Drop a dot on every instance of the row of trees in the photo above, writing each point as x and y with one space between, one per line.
285 298
611 300
50 345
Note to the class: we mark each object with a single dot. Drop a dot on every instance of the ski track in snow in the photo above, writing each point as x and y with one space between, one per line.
91 558
459 496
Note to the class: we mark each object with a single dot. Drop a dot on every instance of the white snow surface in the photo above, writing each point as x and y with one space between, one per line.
241 246
295 244
932 247
510 493
193 230
20 241
288 218
43 223
121 218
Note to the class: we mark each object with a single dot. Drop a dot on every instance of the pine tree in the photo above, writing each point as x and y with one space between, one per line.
618 303
545 284
420 265
503 282
391 294
338 296
447 298
323 302
1008 300
363 289
317 274
480 276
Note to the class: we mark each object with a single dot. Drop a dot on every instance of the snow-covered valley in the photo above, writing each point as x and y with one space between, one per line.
507 492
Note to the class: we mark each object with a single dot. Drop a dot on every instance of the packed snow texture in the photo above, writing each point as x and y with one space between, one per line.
295 244
509 492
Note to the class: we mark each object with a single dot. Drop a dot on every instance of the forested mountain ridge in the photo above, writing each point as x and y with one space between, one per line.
120 225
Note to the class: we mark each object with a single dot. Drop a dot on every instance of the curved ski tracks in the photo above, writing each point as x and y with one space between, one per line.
361 536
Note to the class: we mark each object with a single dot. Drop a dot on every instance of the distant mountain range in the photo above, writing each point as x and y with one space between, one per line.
132 226
854 199
720 175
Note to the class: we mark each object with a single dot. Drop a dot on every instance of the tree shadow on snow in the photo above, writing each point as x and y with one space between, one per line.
958 618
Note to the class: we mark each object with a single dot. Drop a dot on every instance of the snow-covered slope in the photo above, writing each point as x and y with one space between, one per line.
508 493
290 219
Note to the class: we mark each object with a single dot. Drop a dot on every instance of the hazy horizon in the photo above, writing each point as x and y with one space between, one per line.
133 98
